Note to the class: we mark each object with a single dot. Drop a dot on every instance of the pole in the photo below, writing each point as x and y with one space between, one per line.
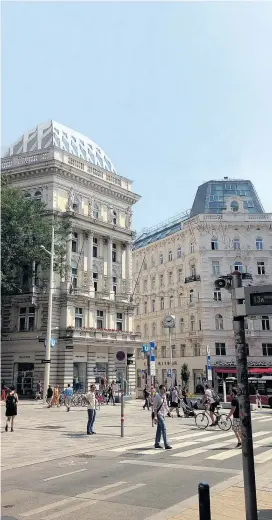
152 398
244 405
122 405
49 320
204 501
171 355
224 391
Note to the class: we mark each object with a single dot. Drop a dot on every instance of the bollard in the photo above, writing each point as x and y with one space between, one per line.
204 501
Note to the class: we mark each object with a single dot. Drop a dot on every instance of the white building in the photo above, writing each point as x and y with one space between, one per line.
175 266
92 313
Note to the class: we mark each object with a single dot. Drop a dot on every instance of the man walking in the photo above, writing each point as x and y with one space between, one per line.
146 398
91 399
235 412
68 392
160 410
175 401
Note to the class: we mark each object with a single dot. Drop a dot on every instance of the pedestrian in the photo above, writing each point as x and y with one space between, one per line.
56 396
11 408
68 392
110 393
258 399
160 410
3 390
175 401
38 390
235 412
91 400
146 398
49 396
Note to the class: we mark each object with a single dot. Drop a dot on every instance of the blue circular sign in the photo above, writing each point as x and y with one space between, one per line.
120 355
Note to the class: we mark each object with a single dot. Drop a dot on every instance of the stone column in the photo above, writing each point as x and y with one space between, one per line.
110 284
128 268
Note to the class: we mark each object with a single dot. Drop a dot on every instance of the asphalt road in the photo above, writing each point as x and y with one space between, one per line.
131 481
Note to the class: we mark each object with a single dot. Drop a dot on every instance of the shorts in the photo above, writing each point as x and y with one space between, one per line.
236 425
174 405
212 407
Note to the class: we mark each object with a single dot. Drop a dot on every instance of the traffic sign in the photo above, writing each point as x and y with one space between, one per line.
52 342
169 373
209 368
258 300
120 359
145 347
152 368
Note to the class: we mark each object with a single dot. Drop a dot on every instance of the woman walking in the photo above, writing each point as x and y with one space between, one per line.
11 408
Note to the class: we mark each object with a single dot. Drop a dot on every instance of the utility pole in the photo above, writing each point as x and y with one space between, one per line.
49 318
244 402
169 323
122 406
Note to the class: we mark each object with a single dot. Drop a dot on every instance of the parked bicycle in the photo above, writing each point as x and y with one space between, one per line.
203 420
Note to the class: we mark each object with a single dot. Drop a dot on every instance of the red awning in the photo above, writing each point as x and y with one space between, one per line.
225 370
263 370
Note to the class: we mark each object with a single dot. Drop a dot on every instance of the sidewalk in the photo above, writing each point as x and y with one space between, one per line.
227 500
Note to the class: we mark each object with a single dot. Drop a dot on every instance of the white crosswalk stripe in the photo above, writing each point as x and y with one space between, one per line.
263 457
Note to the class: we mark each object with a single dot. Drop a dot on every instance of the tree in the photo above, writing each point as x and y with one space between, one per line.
26 225
185 374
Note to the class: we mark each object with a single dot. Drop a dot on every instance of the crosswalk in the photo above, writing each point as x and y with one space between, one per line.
214 445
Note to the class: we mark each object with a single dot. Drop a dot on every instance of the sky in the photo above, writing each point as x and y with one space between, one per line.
175 93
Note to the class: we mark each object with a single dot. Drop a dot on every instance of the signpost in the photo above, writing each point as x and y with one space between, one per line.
170 323
209 368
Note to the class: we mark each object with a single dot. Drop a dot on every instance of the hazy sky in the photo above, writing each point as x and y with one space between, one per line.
175 93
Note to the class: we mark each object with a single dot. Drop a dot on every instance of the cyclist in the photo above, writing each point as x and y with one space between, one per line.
212 404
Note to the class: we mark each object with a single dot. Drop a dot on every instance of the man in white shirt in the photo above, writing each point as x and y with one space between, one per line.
160 410
91 399
208 398
175 401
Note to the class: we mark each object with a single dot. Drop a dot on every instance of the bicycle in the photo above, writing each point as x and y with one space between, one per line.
203 419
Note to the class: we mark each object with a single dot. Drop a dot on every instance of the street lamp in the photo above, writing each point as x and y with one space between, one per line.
49 318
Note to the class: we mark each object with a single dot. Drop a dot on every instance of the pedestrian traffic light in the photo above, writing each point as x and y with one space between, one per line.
129 360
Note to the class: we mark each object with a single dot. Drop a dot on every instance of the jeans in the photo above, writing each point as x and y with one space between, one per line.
146 403
91 419
161 431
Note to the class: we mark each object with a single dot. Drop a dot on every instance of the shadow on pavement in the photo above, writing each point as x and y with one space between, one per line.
265 514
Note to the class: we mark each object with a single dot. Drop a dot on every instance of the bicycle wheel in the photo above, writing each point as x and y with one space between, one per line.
201 420
224 423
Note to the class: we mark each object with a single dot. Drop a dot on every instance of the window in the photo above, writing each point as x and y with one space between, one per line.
180 300
114 252
95 211
219 322
191 296
74 277
220 349
200 325
161 280
114 285
215 268
95 280
145 307
180 275
217 296
144 265
259 244
179 252
238 266
196 350
181 325
171 302
75 243
78 317
163 352
145 285
154 328
192 322
182 350
192 247
100 319
26 318
114 217
260 268
267 349
119 321
95 247
170 277
153 306
153 282
38 195
161 258
265 323
214 244
236 243
170 256
192 270
234 206
162 303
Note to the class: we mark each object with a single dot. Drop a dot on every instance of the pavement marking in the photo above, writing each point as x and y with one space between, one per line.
191 453
210 436
179 466
96 496
265 420
68 510
263 442
101 489
232 453
48 506
156 451
263 457
65 474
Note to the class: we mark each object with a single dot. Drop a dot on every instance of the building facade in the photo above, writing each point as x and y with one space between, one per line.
175 266
92 309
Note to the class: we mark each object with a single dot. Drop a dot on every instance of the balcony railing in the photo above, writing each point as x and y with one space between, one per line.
192 278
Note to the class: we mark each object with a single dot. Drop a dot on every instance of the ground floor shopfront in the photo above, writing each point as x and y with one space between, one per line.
79 364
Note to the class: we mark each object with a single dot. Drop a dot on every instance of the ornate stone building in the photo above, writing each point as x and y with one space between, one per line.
175 265
92 310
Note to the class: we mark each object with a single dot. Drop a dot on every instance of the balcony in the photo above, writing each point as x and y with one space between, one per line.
94 334
192 278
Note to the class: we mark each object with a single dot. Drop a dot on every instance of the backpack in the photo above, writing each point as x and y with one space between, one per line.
216 397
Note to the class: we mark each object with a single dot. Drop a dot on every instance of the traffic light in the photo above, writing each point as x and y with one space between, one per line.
129 360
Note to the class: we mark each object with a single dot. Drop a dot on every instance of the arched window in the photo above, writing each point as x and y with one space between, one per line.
181 325
154 329
219 325
95 210
38 195
192 321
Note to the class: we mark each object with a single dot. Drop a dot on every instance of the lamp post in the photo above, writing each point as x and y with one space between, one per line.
169 323
49 317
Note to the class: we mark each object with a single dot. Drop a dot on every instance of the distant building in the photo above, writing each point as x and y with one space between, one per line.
92 313
175 265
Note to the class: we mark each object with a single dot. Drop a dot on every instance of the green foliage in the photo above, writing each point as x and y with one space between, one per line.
26 225
185 374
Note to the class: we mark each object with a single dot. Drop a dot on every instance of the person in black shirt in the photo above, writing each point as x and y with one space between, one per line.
235 412
146 397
